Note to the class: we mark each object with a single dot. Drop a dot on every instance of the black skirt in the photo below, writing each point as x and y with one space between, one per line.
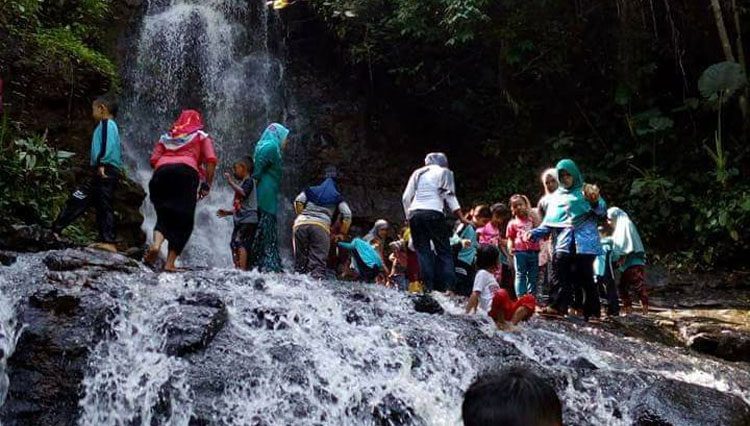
174 193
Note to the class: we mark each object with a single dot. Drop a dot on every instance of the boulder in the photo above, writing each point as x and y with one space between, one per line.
393 411
722 342
7 259
425 303
194 323
676 403
90 260
30 238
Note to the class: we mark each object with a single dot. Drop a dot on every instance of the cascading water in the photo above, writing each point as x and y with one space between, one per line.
216 56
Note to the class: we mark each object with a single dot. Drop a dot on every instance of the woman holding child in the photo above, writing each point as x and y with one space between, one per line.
268 171
182 156
571 218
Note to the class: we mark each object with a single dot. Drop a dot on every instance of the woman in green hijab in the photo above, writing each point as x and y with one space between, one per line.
571 218
267 173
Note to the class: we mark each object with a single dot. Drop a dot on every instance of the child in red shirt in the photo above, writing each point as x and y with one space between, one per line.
525 252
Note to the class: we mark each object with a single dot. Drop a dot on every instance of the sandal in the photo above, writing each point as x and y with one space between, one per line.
550 311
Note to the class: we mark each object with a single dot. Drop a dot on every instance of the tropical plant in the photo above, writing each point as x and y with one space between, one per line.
717 84
30 184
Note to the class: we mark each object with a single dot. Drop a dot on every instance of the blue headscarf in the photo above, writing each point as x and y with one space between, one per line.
325 194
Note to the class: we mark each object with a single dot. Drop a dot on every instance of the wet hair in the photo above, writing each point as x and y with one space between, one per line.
500 209
513 397
109 102
488 256
248 162
483 212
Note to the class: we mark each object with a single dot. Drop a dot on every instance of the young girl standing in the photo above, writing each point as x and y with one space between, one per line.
525 253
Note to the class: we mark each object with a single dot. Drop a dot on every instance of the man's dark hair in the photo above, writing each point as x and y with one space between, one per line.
487 257
484 212
513 397
500 209
109 102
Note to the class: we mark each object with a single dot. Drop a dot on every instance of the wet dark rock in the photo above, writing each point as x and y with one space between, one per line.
719 341
426 304
582 364
675 403
259 284
392 411
269 318
89 259
61 326
7 259
352 317
194 323
30 238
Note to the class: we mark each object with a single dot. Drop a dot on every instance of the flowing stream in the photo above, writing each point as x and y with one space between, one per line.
299 351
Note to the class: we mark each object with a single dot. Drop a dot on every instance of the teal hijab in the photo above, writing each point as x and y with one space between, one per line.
626 239
567 206
268 166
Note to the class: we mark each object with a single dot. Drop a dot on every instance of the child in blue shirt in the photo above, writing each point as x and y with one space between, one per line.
99 189
366 260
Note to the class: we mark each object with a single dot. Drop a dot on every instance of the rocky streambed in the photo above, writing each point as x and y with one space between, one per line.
90 338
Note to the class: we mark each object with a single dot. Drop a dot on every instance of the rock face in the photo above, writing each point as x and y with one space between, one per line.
675 403
69 311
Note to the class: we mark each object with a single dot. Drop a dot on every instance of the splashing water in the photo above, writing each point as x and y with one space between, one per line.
215 56
10 332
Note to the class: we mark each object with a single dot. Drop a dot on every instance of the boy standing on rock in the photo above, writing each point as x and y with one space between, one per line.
99 189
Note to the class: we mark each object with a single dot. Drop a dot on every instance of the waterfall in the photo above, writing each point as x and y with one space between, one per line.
10 331
216 56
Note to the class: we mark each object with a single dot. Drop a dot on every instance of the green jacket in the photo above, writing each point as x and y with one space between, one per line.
269 165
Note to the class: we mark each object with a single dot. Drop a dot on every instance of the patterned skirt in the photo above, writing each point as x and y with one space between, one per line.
265 252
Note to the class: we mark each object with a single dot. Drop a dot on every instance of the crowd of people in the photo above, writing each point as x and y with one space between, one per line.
509 259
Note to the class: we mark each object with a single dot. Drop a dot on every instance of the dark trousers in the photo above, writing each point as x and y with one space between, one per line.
437 268
464 278
571 272
100 192
608 289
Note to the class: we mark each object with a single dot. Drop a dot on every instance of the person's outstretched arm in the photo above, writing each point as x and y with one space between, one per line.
471 305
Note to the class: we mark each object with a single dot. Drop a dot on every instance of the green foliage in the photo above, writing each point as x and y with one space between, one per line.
30 184
64 35
721 224
63 44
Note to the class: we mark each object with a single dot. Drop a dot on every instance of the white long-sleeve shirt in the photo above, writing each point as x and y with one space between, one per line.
430 188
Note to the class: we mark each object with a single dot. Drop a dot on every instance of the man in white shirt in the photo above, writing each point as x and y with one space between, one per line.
430 189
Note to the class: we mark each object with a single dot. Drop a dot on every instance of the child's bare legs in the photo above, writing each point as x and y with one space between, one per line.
155 248
522 314
242 258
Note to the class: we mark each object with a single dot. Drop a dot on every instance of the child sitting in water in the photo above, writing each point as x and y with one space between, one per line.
245 211
494 234
489 297
630 255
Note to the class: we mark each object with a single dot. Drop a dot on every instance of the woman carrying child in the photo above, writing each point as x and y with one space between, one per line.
180 158
571 219
487 295
268 171
630 255
244 210
315 206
